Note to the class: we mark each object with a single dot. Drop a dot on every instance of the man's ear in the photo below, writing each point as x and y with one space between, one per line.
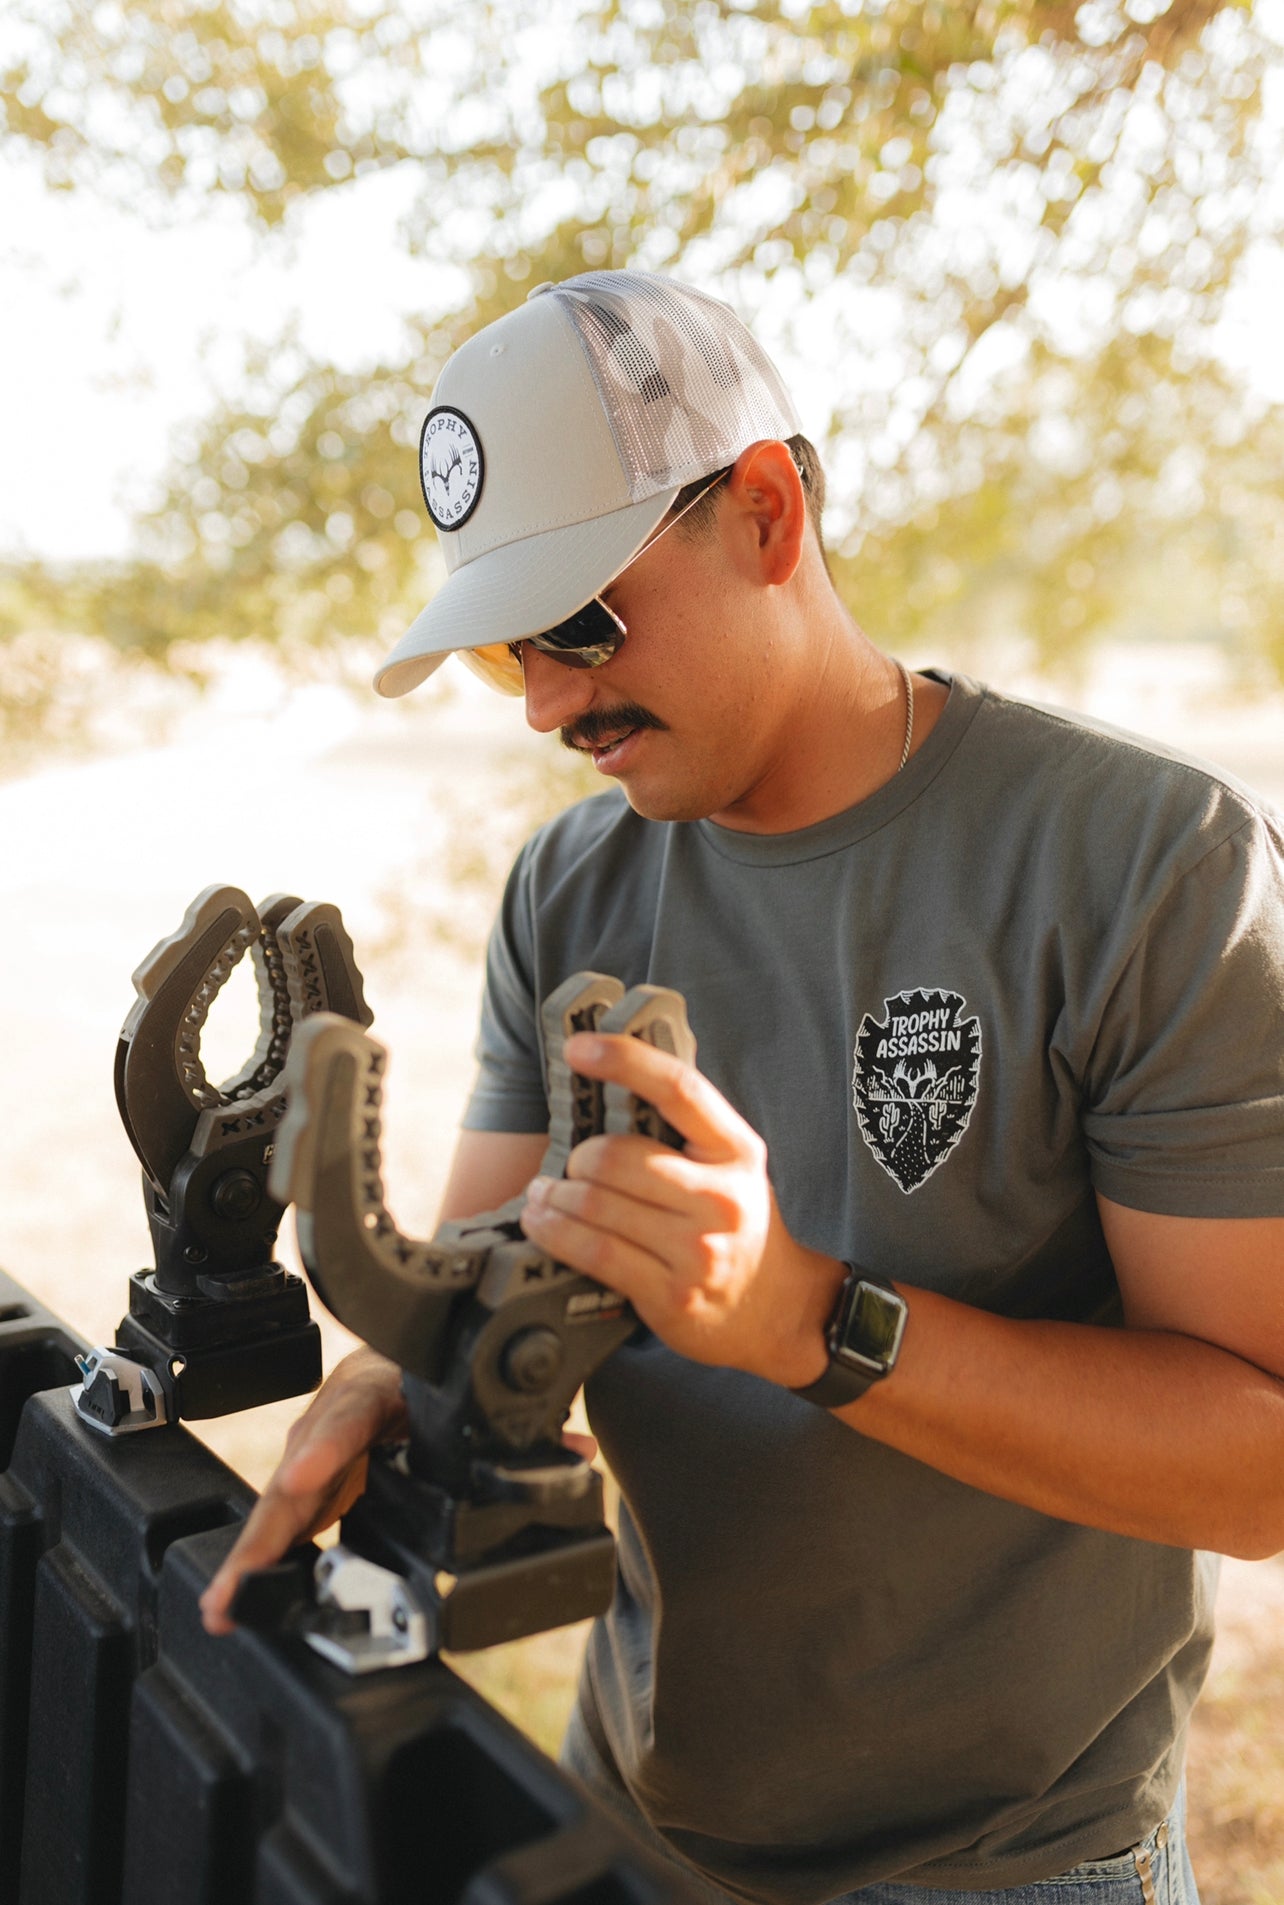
766 499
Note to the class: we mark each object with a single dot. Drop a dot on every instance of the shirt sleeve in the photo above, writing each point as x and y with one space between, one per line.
1184 1100
510 1092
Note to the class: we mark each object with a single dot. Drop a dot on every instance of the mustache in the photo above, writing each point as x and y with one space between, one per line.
599 724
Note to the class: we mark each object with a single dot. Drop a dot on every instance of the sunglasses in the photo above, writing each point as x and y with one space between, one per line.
584 640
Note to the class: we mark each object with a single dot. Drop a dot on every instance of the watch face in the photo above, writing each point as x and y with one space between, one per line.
870 1332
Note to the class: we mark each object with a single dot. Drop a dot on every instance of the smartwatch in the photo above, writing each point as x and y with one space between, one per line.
864 1337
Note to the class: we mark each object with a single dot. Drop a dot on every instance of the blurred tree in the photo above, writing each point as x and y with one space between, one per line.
1008 230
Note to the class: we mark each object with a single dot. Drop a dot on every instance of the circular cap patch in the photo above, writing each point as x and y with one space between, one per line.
451 467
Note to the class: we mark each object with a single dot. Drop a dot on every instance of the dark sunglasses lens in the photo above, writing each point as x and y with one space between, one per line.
584 640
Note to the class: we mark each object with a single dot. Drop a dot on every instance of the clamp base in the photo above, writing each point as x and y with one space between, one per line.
395 1590
252 1343
491 1570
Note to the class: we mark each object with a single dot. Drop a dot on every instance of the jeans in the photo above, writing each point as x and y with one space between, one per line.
1156 1872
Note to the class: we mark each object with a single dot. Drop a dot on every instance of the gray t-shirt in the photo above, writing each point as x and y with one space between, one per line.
1045 960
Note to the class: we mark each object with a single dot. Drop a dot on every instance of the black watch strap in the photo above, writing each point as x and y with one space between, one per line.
864 1336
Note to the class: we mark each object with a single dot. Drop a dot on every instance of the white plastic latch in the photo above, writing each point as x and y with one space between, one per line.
366 1616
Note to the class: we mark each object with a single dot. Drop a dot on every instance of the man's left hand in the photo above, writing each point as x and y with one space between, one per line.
692 1238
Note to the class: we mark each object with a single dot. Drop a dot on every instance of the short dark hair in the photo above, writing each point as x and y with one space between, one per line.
699 518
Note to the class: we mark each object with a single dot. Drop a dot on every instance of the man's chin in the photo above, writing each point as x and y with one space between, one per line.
659 803
632 759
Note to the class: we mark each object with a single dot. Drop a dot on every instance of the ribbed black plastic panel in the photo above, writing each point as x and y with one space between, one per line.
142 1761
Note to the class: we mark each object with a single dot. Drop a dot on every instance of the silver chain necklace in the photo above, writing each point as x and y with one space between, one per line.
908 685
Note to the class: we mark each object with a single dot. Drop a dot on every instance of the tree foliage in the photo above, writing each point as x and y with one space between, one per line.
1007 230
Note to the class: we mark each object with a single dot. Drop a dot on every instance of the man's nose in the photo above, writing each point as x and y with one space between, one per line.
555 694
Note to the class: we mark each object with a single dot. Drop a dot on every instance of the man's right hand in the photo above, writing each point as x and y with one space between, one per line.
319 1477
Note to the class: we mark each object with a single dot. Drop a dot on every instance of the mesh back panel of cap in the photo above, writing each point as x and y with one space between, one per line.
685 386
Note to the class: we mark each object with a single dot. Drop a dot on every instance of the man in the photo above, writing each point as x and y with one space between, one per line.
964 1292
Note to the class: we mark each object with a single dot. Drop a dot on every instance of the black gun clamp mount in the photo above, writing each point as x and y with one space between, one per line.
217 1325
482 1526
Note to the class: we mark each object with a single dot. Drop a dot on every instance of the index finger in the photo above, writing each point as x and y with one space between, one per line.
304 1496
714 1131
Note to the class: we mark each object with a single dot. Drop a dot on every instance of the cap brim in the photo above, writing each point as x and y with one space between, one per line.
519 590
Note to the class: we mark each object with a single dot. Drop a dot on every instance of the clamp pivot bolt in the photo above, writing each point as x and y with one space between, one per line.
236 1194
531 1360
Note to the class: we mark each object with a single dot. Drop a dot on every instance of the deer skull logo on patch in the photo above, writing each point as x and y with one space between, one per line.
451 467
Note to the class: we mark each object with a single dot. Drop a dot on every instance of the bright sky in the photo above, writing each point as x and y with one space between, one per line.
113 334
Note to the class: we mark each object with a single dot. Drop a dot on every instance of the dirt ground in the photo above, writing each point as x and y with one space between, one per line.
306 791
1236 1761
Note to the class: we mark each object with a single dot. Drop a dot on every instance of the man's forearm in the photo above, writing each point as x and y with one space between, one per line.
1142 1432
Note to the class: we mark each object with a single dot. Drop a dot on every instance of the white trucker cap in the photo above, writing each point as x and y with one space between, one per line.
556 442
